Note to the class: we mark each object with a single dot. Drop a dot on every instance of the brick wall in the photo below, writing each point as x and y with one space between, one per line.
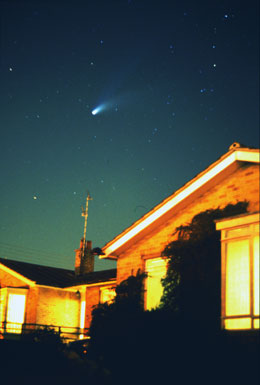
243 184
31 305
92 299
7 279
57 307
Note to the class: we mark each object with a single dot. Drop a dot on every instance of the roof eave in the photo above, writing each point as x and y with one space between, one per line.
111 249
21 277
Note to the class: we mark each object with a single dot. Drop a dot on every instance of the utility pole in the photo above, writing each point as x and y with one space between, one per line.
85 214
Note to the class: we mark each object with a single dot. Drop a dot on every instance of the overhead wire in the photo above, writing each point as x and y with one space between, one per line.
31 255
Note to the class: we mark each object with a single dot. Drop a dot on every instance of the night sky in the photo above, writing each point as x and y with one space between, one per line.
128 100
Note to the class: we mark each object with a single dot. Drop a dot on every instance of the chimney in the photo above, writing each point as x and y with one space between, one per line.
84 259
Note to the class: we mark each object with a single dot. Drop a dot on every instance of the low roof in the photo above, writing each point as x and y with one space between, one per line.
225 165
54 276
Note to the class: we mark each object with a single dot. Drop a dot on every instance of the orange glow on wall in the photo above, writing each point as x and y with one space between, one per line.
107 294
3 299
57 307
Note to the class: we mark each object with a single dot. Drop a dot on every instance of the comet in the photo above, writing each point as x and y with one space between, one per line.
109 105
97 110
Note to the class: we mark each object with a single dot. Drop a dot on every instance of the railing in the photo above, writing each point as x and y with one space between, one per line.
15 329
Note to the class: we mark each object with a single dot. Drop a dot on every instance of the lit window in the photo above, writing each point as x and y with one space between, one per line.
15 312
240 272
155 269
107 294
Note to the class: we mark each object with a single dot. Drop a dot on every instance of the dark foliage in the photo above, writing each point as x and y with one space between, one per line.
45 336
130 293
192 283
115 326
172 343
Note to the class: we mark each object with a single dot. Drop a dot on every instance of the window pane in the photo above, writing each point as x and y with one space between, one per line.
256 275
15 312
237 278
238 323
156 270
107 295
256 323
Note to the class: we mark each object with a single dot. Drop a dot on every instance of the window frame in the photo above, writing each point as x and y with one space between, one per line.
13 291
102 290
244 227
146 259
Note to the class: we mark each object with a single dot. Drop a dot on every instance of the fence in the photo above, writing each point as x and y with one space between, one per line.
16 330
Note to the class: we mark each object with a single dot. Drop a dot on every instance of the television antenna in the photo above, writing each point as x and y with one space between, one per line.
84 213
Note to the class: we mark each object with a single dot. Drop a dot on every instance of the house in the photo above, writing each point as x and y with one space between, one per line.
32 295
232 178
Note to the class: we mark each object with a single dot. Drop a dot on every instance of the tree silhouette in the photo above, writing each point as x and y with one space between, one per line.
192 282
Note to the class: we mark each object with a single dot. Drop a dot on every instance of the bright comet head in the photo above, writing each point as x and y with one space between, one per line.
97 110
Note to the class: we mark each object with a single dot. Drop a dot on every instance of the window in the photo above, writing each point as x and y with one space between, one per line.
15 312
12 309
240 272
107 294
156 270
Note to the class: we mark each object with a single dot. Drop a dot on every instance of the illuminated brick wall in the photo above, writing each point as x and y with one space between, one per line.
31 305
92 299
7 279
57 307
243 184
3 300
54 306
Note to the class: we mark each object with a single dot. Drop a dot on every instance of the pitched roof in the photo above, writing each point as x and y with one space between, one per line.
54 276
227 163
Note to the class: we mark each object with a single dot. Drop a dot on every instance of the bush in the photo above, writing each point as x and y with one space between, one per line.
192 283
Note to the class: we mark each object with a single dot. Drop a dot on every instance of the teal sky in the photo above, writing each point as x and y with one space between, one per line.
177 83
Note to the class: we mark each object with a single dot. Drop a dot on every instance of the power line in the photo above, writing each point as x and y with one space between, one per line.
29 249
30 259
14 252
